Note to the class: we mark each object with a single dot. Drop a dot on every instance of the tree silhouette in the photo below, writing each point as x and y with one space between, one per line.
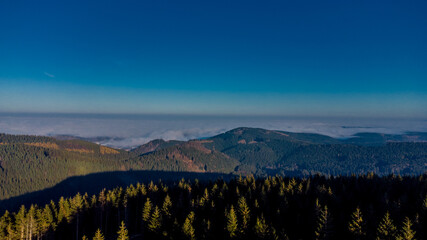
356 225
187 227
261 228
244 213
323 229
167 205
406 233
146 213
123 232
155 223
232 222
98 235
386 229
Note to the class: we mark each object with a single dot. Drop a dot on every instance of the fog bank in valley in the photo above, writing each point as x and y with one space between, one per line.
128 131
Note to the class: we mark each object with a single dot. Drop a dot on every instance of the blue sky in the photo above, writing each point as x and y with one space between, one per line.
323 58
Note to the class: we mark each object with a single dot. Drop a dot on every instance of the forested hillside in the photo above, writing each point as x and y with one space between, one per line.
274 152
355 207
32 163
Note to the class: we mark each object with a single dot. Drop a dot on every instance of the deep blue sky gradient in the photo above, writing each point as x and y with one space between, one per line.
344 58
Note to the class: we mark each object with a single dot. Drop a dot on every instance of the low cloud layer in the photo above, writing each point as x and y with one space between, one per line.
128 131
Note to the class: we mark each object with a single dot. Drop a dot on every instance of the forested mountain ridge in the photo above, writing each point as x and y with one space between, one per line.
265 151
260 151
31 163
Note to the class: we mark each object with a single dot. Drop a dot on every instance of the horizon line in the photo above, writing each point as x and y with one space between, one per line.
359 116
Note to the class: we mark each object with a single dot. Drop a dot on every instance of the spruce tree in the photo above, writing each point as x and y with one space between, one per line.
244 213
21 222
64 211
187 227
123 232
323 229
232 223
39 221
406 233
93 201
5 222
356 225
167 205
54 211
386 229
146 212
206 194
155 222
142 189
46 219
261 228
76 206
31 222
98 235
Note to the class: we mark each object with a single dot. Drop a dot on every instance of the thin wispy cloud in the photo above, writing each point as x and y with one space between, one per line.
49 75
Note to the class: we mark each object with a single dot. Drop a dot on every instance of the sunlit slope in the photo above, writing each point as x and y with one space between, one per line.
29 163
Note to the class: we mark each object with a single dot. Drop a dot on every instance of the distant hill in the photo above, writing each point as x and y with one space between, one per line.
155 145
33 163
379 138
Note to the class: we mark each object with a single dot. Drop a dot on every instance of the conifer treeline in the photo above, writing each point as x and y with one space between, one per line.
357 207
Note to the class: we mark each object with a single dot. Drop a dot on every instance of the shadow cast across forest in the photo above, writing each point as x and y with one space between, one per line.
95 182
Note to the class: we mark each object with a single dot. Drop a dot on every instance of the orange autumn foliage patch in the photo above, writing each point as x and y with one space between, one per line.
79 150
107 150
43 145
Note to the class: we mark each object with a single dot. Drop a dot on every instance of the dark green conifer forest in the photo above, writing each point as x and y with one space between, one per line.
317 207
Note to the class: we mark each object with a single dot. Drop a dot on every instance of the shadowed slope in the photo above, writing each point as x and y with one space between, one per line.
95 182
